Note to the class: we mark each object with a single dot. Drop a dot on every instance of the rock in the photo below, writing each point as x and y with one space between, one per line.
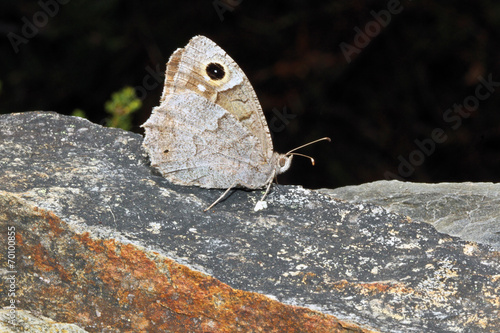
27 322
104 242
470 211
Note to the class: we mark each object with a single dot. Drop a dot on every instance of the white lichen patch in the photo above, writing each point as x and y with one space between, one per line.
154 228
260 205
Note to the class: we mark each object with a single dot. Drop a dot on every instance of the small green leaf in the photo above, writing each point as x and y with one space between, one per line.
122 105
79 113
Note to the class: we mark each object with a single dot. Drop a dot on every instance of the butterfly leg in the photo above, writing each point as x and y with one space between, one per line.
261 204
258 205
221 197
267 190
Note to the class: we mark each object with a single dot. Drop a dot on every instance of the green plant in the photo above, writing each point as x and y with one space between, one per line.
122 105
79 113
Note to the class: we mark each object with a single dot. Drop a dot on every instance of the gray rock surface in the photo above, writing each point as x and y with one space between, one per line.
359 262
470 211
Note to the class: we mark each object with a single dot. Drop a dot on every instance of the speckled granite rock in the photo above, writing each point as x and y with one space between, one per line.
105 243
470 211
28 323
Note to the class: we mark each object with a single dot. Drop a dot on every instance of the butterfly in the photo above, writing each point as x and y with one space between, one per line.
209 129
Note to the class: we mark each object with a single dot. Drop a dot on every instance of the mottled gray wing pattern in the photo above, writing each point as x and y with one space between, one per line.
193 141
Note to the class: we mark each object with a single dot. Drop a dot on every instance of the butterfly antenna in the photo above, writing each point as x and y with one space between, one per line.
306 156
307 144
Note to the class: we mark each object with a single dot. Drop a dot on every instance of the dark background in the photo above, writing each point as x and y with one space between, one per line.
394 91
